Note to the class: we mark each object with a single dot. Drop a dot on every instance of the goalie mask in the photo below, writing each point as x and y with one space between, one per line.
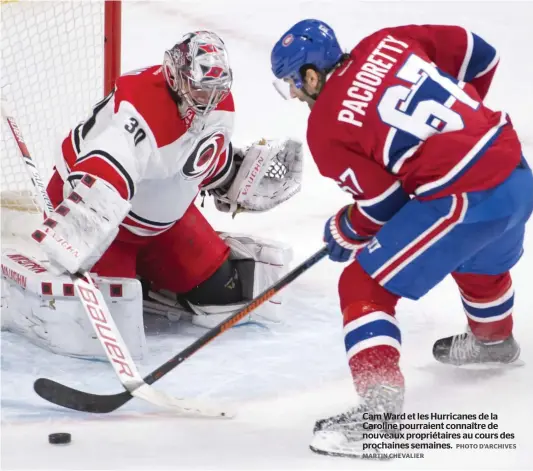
197 69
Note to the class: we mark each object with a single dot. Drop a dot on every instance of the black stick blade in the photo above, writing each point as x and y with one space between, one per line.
64 396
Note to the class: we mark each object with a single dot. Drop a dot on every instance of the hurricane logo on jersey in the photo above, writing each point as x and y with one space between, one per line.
202 160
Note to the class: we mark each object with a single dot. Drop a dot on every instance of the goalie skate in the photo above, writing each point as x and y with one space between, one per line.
465 349
346 434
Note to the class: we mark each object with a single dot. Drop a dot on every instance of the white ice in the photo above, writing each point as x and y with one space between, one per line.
284 377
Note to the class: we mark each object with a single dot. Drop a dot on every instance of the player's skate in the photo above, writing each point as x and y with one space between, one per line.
344 434
465 349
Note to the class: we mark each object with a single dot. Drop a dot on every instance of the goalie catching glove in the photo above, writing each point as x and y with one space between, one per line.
266 174
76 234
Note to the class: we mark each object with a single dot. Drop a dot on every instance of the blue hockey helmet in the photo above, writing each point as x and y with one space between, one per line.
308 42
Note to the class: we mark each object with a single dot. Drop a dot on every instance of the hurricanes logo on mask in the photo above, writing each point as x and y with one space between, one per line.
204 156
214 72
209 70
208 48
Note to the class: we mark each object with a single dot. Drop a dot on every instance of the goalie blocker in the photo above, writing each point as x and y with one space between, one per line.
42 306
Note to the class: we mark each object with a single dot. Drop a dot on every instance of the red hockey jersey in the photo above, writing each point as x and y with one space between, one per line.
404 116
155 154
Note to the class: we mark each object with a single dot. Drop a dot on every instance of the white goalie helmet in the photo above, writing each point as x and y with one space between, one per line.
197 69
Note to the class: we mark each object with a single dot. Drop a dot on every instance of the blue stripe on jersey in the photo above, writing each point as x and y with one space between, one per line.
429 90
482 55
383 209
401 143
486 312
372 329
474 158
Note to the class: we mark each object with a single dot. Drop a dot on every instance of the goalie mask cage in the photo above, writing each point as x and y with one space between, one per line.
58 59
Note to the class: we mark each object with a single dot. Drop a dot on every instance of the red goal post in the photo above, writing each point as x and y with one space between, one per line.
112 43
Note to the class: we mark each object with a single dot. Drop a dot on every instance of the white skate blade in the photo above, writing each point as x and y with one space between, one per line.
493 365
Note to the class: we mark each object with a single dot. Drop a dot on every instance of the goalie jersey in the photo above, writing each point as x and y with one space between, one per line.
159 158
404 116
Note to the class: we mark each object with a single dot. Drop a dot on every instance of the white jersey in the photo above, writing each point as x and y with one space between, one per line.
138 141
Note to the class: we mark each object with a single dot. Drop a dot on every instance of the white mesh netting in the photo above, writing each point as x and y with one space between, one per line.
52 73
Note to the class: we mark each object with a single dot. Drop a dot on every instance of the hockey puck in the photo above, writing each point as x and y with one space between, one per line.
59 438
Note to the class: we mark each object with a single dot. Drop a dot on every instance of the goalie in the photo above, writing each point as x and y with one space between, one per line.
124 191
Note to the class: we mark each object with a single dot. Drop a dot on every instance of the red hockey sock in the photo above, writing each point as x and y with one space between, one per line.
488 304
372 339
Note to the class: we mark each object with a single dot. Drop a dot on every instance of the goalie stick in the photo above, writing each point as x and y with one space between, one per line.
82 401
98 312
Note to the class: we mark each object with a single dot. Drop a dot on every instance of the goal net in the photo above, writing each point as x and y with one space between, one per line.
58 59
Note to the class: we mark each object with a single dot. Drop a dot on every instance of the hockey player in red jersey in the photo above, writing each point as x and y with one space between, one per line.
124 191
440 187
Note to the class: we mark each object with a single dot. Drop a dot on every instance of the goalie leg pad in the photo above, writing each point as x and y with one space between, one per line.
44 309
260 263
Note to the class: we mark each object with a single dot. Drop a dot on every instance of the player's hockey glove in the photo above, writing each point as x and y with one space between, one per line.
342 241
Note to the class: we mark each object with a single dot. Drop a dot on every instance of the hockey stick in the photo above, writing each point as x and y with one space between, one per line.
78 400
98 313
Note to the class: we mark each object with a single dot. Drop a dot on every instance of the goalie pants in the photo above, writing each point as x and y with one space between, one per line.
476 237
177 260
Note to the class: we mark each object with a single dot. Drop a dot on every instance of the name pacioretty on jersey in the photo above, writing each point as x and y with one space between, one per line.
367 79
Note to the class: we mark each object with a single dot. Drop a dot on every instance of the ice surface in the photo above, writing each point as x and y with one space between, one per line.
284 377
